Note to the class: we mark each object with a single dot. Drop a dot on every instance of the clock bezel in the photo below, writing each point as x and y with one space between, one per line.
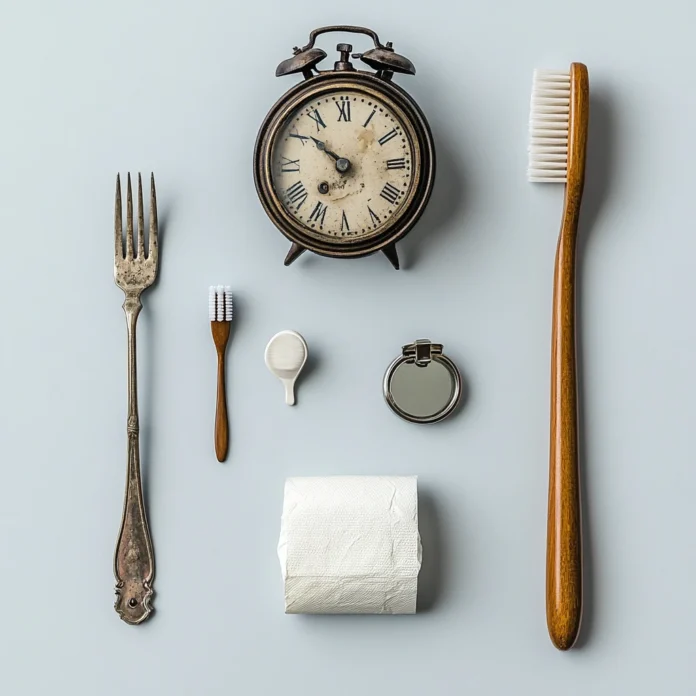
419 192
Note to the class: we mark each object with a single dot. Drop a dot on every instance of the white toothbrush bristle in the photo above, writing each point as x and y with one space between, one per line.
228 303
548 126
220 303
211 303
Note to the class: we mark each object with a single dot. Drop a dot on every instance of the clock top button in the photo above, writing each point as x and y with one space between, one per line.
344 63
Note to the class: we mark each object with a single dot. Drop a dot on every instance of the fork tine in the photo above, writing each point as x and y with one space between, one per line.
141 220
129 220
118 224
153 219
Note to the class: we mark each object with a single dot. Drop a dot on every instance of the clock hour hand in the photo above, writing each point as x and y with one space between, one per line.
342 164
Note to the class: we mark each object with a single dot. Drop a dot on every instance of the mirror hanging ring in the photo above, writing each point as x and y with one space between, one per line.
422 385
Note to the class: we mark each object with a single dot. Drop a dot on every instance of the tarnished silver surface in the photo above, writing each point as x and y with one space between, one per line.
302 61
372 86
134 271
382 57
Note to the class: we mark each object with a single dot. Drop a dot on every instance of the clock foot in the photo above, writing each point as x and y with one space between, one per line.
391 253
295 252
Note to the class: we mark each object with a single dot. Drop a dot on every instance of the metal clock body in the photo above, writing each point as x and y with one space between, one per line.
344 162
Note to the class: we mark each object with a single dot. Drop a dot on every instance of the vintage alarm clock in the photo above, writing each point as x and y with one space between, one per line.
344 162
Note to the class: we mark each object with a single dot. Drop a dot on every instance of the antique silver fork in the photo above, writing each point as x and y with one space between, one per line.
134 560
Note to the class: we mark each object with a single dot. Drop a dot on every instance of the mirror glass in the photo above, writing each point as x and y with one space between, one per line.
422 392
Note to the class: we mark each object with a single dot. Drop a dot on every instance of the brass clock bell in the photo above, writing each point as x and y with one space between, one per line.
344 162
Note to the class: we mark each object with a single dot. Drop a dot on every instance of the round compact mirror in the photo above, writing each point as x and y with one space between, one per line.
422 385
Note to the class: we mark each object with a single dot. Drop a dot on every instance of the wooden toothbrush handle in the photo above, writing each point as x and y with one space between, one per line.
564 546
564 534
221 424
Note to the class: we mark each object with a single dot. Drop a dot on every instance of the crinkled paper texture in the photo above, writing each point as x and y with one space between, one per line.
350 545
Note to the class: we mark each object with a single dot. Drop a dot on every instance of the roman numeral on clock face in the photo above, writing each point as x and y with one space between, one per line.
343 110
399 163
390 193
388 136
375 219
318 214
344 223
287 165
369 118
316 117
297 194
301 138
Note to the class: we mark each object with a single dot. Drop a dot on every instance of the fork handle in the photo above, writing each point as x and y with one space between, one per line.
134 560
221 422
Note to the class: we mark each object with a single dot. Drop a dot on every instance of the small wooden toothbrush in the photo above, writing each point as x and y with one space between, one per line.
558 139
220 315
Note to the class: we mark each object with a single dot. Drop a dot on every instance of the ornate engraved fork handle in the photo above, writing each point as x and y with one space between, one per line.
134 560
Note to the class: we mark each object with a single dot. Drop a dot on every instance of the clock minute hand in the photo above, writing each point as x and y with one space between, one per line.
342 164
322 146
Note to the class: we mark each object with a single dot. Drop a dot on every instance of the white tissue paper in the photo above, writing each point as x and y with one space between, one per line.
350 545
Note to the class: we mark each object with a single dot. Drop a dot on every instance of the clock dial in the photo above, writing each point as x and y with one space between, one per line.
343 165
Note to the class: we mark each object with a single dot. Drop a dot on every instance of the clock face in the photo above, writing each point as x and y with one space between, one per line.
343 165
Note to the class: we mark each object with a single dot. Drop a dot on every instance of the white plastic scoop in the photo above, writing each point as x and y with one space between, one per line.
286 355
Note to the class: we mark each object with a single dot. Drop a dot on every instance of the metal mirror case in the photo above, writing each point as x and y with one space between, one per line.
422 385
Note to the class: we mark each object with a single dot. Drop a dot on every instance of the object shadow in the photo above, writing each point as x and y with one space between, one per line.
432 574
313 364
312 367
146 379
446 204
463 399
238 318
600 165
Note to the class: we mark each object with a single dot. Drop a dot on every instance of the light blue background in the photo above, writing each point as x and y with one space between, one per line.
180 87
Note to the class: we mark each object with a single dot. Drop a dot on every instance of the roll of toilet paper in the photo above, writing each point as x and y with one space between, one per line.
350 545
